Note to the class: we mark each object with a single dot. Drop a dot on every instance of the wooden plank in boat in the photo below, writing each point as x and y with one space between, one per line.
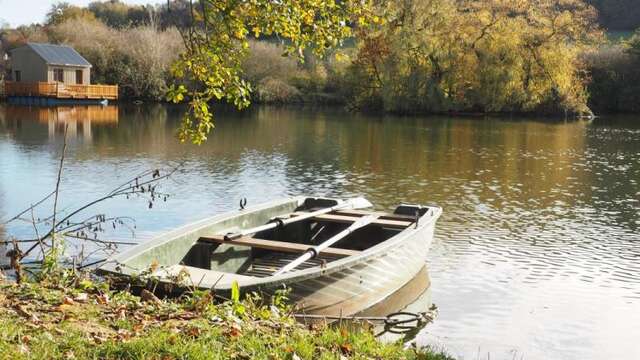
276 245
398 224
381 215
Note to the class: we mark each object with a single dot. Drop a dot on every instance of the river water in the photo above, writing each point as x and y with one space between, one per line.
537 254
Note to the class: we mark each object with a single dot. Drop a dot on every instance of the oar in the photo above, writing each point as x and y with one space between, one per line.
314 251
355 203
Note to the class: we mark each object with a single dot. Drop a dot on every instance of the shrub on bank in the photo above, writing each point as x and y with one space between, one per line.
281 79
265 59
615 78
275 91
477 56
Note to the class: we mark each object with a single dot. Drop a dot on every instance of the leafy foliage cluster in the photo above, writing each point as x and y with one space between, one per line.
615 77
484 56
119 14
218 42
618 14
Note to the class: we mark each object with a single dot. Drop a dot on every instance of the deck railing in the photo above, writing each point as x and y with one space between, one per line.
60 90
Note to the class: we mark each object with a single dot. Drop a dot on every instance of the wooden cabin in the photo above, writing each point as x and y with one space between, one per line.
49 63
50 71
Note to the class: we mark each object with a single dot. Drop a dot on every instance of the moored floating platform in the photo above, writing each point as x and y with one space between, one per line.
55 93
51 101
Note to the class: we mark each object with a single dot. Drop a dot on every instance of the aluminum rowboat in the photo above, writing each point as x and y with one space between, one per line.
356 273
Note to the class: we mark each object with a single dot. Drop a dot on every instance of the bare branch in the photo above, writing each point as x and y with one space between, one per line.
135 186
29 208
57 191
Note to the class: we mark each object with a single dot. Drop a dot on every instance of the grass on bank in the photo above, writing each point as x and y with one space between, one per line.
89 321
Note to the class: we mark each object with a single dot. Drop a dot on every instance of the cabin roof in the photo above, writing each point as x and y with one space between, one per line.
59 55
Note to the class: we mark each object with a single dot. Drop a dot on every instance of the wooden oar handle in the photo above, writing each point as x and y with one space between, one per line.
314 252
232 236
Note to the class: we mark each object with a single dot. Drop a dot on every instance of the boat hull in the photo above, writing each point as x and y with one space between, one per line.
363 283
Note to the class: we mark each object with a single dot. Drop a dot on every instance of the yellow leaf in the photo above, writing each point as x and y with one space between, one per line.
340 57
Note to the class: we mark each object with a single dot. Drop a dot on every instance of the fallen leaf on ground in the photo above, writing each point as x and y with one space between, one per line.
138 327
346 348
68 301
102 299
194 332
122 314
234 332
148 296
62 308
22 311
98 338
124 334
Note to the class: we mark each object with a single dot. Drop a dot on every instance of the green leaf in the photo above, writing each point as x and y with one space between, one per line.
211 66
235 292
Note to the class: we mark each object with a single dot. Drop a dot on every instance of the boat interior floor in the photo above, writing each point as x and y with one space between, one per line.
268 264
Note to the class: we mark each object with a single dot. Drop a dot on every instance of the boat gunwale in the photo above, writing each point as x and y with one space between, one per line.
109 266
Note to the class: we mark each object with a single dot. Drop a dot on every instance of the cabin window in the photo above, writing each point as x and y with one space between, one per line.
18 76
58 75
79 77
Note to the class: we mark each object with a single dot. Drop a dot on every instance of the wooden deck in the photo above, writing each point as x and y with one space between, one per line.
60 90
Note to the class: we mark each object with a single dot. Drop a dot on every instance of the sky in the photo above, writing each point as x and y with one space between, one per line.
25 12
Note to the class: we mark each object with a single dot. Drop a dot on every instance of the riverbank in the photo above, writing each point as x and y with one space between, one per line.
88 320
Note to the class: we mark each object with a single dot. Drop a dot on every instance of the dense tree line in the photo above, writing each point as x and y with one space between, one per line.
612 14
615 77
471 56
618 14
118 14
417 56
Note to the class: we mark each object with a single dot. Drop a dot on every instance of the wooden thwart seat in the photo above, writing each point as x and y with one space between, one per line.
273 245
399 222
379 214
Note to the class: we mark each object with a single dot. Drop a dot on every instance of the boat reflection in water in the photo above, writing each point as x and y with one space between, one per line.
405 313
79 119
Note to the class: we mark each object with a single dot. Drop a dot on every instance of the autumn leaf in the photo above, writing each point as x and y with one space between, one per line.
68 301
346 348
